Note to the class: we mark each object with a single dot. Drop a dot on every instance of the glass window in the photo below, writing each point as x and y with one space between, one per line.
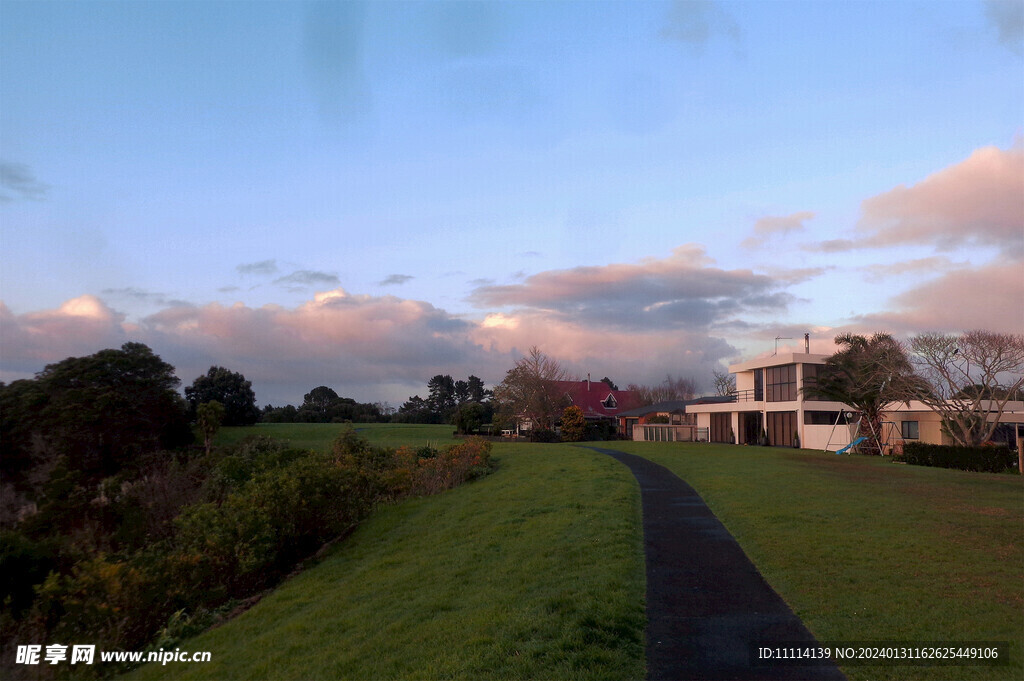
780 383
909 430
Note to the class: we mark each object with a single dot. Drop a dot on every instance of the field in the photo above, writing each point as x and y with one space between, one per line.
320 435
537 571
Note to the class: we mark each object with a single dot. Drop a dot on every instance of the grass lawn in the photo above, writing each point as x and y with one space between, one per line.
866 550
320 435
535 572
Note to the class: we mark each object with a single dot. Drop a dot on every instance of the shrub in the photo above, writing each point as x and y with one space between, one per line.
543 435
275 519
988 458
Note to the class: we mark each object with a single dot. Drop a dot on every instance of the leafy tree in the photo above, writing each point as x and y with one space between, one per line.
20 405
530 389
869 374
469 416
230 389
319 400
608 382
285 414
209 416
967 378
574 424
106 408
415 410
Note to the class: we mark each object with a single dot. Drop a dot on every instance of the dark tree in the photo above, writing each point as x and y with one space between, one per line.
461 391
230 389
20 405
608 382
469 416
442 396
319 400
415 410
477 393
102 410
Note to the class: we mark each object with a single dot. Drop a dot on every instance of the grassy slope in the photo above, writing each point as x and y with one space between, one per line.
864 549
503 577
533 572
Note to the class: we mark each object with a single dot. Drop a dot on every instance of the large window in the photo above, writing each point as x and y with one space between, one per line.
824 418
909 430
780 383
781 428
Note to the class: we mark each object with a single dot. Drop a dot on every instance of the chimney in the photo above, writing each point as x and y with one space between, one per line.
588 381
807 343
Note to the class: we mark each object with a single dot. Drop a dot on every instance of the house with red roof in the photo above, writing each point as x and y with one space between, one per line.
598 401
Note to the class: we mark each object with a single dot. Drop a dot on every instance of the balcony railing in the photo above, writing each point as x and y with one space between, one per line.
750 395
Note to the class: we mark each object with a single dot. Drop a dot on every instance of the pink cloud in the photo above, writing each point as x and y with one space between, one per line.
988 297
773 225
979 200
80 326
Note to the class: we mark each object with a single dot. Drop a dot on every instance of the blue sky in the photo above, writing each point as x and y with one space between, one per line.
365 194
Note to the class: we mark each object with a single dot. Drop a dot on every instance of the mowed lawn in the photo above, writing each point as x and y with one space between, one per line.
864 549
535 572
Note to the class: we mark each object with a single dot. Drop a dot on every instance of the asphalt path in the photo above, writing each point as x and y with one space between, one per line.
708 608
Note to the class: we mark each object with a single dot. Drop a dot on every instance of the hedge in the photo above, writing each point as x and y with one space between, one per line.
986 459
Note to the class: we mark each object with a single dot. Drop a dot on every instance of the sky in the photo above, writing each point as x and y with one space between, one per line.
364 195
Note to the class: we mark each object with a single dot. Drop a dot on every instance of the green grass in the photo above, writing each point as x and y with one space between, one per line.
863 549
320 435
535 572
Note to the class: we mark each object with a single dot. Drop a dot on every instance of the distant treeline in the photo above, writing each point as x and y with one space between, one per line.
466 404
324 405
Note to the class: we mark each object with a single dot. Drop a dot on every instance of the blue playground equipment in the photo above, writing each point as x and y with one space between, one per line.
851 445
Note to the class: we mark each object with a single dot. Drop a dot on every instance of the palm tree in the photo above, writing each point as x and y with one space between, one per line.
868 374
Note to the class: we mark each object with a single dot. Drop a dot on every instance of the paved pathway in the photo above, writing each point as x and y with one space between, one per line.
707 605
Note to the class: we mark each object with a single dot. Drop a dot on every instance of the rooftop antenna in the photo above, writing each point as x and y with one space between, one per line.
777 339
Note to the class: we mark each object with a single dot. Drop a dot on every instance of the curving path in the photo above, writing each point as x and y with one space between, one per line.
707 605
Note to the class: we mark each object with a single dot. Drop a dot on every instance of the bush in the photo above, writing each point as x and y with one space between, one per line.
543 435
987 459
275 519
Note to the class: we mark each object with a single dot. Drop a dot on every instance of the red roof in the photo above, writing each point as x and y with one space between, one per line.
596 399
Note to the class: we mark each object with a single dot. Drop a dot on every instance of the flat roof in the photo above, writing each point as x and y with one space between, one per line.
780 359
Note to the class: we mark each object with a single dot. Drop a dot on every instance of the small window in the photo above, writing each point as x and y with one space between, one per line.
610 402
909 430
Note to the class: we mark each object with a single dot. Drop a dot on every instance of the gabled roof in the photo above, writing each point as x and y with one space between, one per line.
596 399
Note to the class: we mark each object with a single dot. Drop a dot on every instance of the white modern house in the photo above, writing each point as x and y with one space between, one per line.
769 400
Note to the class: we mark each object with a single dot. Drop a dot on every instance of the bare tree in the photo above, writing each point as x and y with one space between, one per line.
672 388
725 383
530 389
968 379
